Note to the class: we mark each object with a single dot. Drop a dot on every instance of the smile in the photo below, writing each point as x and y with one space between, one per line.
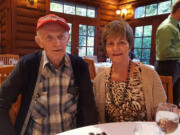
119 54
57 50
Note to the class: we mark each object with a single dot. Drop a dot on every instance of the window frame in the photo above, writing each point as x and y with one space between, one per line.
75 20
148 4
143 37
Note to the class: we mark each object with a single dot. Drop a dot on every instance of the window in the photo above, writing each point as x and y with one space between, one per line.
164 7
151 10
70 8
140 12
173 1
86 40
56 6
68 48
142 43
83 19
154 9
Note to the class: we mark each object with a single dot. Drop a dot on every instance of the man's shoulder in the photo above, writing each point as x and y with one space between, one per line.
166 25
76 59
32 58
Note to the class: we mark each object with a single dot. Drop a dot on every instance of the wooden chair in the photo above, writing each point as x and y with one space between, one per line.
92 70
94 58
4 72
168 87
6 58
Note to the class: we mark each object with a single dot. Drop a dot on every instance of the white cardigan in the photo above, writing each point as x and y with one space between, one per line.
152 86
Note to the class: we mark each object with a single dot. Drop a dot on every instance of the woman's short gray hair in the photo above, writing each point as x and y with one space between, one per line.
118 28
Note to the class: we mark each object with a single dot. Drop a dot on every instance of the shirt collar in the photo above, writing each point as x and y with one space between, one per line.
66 60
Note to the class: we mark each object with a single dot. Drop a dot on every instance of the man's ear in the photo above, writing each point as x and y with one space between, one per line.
38 41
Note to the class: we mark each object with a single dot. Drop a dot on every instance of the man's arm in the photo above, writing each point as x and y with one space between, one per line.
87 104
8 94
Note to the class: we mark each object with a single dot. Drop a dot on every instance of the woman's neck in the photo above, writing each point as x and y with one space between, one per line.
120 71
120 67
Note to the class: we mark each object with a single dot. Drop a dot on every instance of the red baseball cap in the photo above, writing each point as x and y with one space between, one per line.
51 18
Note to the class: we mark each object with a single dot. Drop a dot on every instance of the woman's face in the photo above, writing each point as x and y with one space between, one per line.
117 49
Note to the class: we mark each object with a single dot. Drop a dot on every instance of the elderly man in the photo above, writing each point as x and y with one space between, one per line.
56 88
168 49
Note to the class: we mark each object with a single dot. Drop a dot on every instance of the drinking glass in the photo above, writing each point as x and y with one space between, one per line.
167 118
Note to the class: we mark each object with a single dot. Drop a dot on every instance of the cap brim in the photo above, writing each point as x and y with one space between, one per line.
54 21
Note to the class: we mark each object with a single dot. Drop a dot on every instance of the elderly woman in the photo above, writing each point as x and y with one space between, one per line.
127 91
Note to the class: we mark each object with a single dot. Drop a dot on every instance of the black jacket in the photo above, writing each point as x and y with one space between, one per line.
23 79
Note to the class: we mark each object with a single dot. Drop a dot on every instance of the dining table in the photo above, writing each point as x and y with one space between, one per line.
117 128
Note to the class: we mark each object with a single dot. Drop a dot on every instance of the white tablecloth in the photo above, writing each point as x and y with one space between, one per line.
100 66
117 128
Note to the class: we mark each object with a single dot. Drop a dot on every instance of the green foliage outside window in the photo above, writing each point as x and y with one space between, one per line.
90 30
139 31
91 12
82 29
154 9
56 7
137 42
71 8
140 12
147 30
173 1
164 7
82 40
86 40
80 11
147 42
68 48
151 10
142 43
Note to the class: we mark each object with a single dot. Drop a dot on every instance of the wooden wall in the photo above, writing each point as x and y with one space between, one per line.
24 26
18 22
5 26
106 13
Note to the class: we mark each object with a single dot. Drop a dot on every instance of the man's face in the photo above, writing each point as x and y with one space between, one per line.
53 38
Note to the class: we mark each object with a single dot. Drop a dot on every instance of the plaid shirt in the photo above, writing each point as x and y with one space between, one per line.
55 107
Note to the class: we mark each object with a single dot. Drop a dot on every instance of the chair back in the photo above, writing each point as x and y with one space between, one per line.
92 70
168 87
7 57
94 58
4 72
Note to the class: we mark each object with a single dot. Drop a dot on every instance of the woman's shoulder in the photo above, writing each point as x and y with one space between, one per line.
145 67
102 74
148 72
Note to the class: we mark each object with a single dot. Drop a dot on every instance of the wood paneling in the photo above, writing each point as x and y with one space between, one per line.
25 26
153 20
3 26
18 23
26 44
